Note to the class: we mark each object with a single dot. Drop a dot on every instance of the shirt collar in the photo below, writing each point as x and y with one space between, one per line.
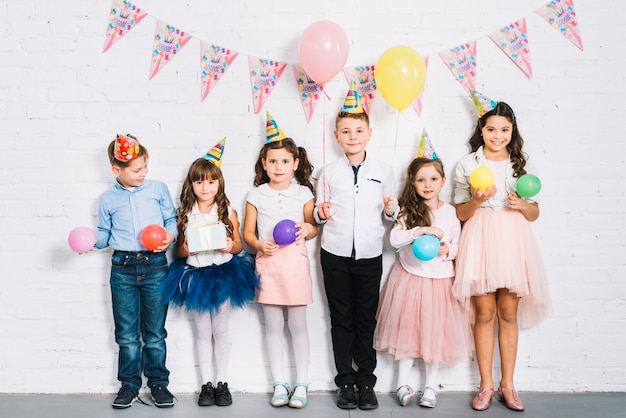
266 190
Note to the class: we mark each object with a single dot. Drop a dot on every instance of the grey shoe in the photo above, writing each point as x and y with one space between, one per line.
429 398
405 395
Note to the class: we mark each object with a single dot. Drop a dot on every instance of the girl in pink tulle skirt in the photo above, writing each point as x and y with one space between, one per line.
418 317
500 275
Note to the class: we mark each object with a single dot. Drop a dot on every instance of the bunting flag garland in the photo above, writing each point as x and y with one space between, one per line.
214 61
363 77
560 14
310 91
417 104
264 74
122 18
168 40
513 41
462 62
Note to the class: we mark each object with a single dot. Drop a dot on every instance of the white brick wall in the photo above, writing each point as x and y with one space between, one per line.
62 100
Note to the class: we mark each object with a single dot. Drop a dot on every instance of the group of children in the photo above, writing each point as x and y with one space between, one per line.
439 310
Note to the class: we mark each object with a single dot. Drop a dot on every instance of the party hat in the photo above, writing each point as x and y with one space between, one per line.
425 148
352 104
126 147
272 130
483 103
215 154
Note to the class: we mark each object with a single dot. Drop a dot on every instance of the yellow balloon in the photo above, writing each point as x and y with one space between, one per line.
482 178
400 76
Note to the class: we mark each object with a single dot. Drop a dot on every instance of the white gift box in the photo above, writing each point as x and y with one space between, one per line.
206 237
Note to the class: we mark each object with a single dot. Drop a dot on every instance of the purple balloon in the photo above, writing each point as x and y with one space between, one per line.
285 232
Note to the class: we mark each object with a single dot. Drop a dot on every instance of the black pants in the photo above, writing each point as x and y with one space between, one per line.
352 288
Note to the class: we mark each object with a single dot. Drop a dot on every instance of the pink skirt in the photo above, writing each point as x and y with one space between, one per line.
419 318
498 250
285 276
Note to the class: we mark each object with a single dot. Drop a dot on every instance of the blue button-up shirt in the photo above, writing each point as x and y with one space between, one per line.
123 213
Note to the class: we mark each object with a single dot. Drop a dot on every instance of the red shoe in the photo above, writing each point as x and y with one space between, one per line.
482 400
516 404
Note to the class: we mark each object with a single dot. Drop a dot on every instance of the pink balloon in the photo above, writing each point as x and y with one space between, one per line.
81 239
323 50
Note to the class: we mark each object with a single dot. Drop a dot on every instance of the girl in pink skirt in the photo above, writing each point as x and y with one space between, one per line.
418 317
283 267
499 271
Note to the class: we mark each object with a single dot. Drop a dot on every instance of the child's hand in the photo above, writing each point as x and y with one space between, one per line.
304 230
391 203
516 202
324 210
166 243
481 196
428 230
444 250
229 246
267 247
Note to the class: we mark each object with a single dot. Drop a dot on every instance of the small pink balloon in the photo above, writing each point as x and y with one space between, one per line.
81 239
323 50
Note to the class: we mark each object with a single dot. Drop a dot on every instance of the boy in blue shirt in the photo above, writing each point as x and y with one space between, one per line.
125 209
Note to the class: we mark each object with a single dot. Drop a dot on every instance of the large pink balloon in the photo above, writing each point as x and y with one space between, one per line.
81 239
323 50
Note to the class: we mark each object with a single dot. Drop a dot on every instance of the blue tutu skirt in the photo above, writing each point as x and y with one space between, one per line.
206 288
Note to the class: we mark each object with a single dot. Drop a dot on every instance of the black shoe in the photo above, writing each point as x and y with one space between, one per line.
222 395
125 398
161 396
367 398
346 398
207 395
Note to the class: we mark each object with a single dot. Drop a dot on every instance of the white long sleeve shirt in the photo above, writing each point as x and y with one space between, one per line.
357 206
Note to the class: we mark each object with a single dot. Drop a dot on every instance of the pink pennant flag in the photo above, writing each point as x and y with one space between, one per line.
264 74
310 91
417 103
513 41
122 18
562 16
363 77
168 41
462 62
214 61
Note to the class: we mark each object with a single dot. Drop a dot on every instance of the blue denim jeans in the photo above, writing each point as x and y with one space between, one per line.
139 315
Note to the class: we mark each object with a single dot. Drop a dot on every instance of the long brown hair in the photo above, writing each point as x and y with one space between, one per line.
303 172
517 155
202 169
413 209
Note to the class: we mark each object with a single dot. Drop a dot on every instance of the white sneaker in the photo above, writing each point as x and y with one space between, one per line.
429 398
405 395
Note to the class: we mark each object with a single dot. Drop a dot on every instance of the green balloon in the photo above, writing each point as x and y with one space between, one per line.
528 185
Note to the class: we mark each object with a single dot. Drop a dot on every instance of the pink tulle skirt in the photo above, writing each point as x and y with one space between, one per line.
497 250
419 318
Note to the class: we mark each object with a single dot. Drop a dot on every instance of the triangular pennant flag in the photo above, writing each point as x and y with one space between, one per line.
425 148
264 74
310 91
513 41
462 62
168 41
417 103
122 18
214 61
215 154
363 77
562 16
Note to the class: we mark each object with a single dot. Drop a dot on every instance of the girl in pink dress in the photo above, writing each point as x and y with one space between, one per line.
418 317
284 270
499 272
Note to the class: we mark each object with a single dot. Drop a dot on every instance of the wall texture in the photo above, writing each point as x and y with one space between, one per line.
62 100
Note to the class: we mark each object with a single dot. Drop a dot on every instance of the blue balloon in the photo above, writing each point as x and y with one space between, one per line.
285 232
426 247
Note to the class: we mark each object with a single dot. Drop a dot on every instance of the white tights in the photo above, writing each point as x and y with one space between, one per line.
213 332
274 324
404 369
